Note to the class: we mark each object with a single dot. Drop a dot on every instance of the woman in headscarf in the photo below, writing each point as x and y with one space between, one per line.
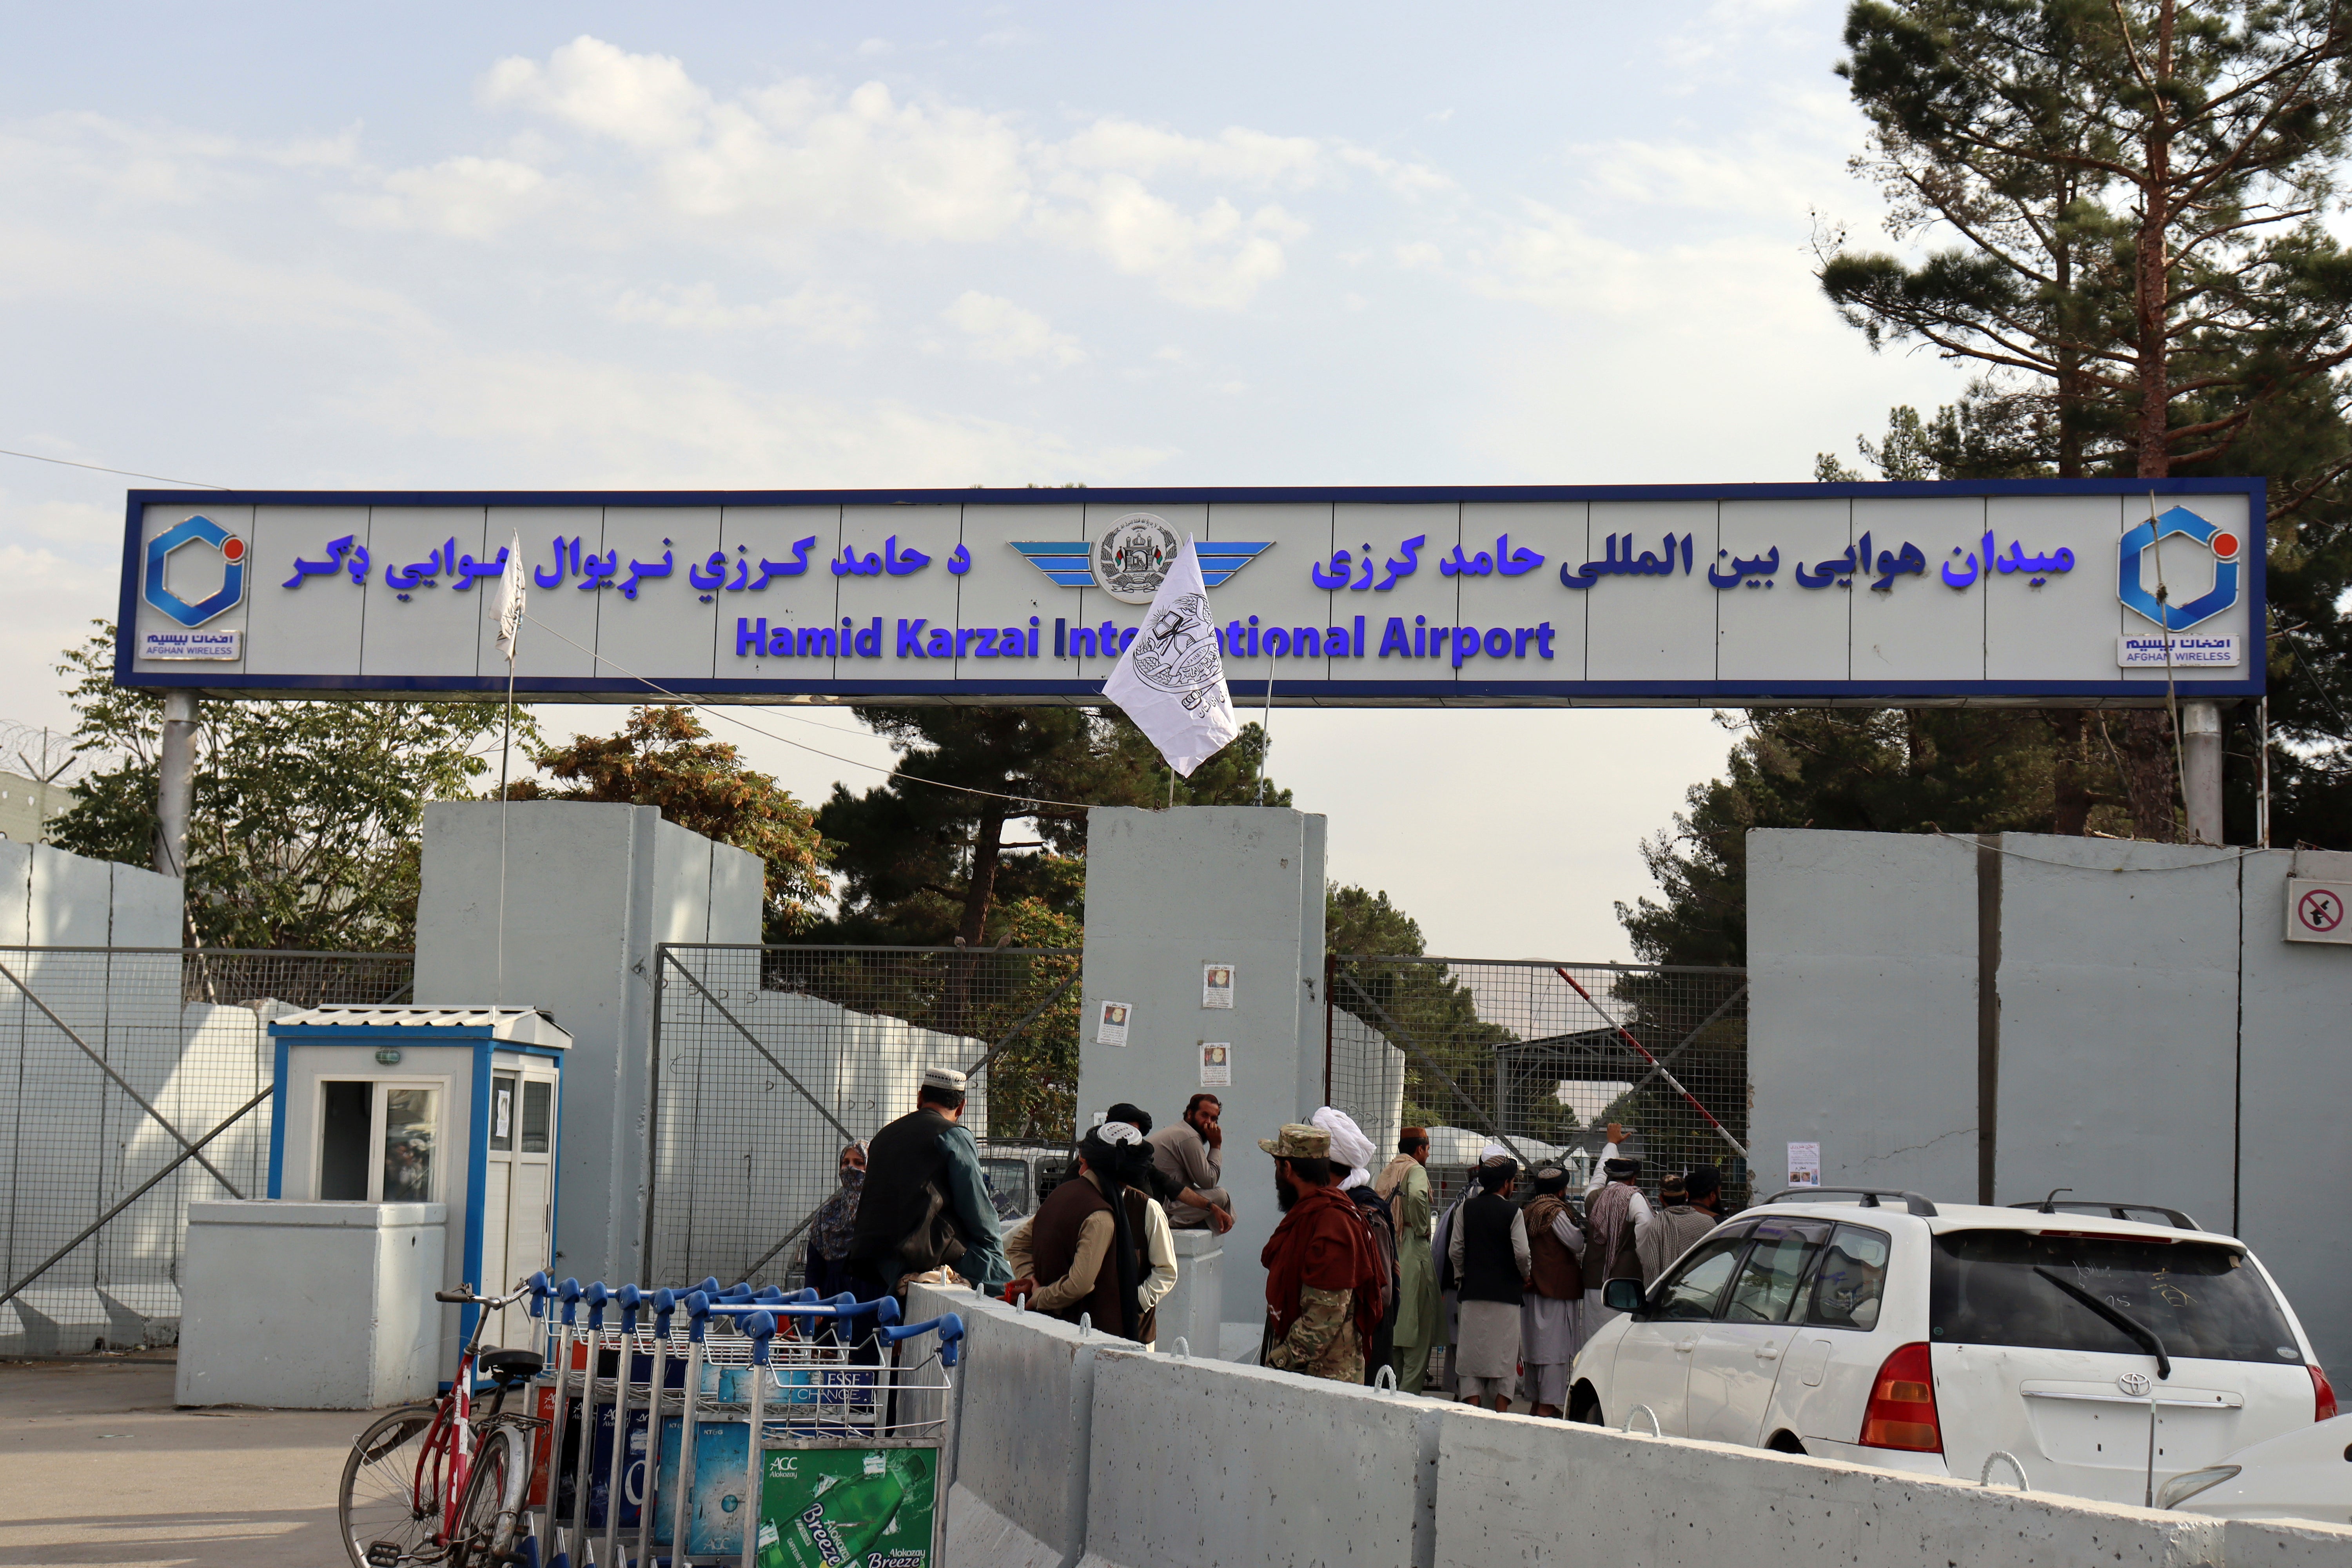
824 1261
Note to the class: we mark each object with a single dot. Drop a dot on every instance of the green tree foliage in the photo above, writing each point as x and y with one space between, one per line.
307 815
664 756
930 855
2138 187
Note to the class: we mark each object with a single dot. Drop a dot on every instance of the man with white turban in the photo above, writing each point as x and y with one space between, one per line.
1352 1152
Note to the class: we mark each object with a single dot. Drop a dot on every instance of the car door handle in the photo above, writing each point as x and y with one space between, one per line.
1768 1352
1685 1347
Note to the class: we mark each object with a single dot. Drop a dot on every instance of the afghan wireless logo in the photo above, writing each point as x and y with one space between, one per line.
2138 595
196 533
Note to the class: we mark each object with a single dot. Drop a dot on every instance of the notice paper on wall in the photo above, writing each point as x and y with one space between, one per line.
1216 985
1804 1164
1216 1064
1110 1026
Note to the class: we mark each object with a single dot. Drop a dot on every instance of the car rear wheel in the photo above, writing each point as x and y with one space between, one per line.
1584 1405
1785 1443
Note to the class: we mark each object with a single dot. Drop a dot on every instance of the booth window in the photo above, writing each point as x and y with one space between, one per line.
377 1141
346 1119
538 1105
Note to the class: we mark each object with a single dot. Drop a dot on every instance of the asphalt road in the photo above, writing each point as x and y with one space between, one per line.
96 1465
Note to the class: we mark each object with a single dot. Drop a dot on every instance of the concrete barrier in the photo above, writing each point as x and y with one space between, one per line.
1202 1462
1193 1310
1084 1453
1025 1409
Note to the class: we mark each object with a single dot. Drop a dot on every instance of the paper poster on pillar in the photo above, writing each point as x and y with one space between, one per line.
1217 985
1216 1064
1804 1164
1110 1024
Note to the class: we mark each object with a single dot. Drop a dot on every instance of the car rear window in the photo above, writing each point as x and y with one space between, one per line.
2201 1300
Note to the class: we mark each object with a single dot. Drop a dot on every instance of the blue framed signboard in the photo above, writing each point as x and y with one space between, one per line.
2028 591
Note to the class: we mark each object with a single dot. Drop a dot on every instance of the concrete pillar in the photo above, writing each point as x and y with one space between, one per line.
175 783
2201 761
1167 893
590 891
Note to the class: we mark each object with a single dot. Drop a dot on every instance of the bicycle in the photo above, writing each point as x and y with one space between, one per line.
433 1482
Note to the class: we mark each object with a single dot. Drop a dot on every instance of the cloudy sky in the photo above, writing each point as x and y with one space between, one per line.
443 246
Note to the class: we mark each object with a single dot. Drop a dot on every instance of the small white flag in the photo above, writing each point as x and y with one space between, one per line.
1170 681
510 599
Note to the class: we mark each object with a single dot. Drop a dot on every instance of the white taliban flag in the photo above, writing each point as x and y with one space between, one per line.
1170 681
510 599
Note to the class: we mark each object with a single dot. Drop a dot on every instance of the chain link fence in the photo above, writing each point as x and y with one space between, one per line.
113 1062
768 1060
1541 1058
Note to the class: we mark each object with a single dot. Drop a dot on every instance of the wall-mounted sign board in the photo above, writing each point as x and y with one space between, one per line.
2028 591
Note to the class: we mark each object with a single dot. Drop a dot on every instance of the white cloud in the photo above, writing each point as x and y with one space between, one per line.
471 198
819 314
1000 330
641 101
1214 257
873 47
1242 155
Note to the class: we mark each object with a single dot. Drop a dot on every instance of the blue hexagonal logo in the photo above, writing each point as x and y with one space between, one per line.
2139 596
197 532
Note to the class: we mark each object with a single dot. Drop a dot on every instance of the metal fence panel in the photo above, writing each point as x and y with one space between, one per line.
769 1060
185 1031
1542 1057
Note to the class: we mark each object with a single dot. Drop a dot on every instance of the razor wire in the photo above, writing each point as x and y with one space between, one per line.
113 1062
767 1060
1539 1057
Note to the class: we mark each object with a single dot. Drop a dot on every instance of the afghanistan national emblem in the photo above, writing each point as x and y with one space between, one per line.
1132 558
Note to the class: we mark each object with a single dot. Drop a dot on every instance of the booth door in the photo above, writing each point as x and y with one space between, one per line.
516 1189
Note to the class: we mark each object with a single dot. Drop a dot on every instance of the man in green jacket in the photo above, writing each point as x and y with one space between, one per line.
1420 1311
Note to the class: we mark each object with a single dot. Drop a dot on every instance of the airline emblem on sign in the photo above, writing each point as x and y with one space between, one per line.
196 533
2138 595
1131 559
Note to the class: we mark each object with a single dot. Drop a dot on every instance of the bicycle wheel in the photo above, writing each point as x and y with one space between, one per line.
384 1501
488 1514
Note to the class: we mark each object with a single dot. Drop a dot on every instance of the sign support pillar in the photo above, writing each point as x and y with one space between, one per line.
2201 767
175 783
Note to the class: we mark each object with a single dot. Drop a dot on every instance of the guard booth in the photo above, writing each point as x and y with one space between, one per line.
455 1106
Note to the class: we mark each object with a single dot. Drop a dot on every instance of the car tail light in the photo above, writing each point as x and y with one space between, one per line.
2323 1395
1902 1409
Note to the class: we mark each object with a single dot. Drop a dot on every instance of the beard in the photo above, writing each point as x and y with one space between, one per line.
1285 1193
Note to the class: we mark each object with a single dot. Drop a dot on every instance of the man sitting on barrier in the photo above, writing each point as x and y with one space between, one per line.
1322 1276
924 1205
1092 1248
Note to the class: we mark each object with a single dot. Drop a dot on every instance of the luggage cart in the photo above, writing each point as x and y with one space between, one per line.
854 1477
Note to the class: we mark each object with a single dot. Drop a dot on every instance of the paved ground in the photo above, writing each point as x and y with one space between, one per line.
96 1465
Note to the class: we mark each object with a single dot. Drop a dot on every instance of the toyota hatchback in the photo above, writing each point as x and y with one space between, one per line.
2101 1356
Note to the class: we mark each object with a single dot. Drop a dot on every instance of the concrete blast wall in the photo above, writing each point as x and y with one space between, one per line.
1167 892
590 891
1985 1021
1083 1451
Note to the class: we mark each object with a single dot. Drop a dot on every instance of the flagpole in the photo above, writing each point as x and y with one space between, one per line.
1265 729
510 611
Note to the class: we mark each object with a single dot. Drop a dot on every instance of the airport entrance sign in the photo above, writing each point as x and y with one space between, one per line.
2020 592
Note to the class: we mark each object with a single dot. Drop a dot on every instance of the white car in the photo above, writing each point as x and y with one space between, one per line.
2102 1357
2303 1474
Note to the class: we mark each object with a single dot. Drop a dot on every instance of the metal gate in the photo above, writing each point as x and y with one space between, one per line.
1541 1058
769 1060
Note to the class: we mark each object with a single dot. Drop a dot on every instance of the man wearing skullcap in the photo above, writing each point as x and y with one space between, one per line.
1551 1314
1616 1216
1323 1277
925 1204
1420 1311
1488 1248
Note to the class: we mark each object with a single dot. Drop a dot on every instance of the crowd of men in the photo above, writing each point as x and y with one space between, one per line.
1488 1302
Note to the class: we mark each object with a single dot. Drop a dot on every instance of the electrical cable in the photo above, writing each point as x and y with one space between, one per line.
102 468
721 712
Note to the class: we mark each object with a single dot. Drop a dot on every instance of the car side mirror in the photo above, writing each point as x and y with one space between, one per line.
1623 1296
